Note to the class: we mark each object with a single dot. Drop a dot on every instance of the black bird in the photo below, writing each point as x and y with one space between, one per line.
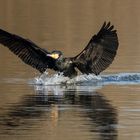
96 56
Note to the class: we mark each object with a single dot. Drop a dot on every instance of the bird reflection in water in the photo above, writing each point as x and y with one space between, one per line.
47 104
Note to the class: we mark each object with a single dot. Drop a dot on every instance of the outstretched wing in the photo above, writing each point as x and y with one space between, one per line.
27 51
100 51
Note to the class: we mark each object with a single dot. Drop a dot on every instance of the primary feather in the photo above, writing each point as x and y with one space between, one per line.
100 51
27 51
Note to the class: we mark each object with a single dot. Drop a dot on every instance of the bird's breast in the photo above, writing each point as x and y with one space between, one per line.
63 64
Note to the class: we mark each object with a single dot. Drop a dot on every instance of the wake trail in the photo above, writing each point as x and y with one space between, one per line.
58 79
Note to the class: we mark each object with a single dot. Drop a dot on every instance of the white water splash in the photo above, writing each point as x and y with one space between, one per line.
46 79
58 79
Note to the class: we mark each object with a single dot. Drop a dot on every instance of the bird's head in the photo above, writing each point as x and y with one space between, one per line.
55 54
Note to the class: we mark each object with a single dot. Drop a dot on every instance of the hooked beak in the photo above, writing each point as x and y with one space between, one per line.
55 56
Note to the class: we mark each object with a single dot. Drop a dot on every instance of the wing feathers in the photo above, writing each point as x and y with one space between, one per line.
100 51
27 51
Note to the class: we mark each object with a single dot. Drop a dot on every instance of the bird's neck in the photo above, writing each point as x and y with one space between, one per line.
60 58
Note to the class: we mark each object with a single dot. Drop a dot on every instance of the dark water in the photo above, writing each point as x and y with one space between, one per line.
107 109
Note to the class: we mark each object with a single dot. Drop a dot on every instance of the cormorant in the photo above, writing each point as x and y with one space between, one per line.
96 56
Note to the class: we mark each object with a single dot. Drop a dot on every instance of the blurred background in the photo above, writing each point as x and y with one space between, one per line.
68 25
